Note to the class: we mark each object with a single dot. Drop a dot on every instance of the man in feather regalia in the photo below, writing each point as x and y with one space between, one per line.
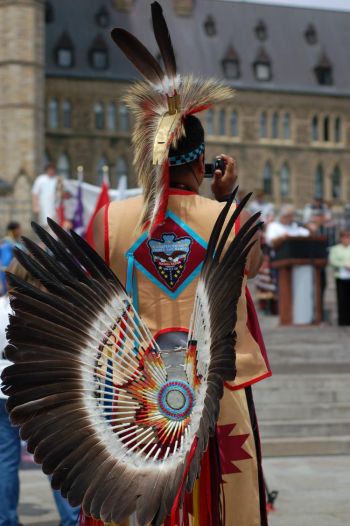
134 392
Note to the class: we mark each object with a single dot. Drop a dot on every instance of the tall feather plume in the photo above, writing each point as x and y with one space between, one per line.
149 104
139 55
165 45
148 107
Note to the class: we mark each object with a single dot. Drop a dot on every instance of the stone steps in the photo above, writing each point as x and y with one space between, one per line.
305 446
304 428
325 368
303 389
292 411
304 409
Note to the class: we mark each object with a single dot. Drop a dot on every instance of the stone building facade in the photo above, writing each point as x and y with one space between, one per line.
21 103
288 127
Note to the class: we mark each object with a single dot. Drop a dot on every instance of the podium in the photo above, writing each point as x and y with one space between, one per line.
299 261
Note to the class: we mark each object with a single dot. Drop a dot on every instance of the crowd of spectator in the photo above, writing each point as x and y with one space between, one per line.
316 219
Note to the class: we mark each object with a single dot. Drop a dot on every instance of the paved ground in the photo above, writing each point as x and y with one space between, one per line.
313 491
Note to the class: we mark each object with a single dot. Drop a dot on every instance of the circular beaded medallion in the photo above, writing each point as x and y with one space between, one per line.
176 399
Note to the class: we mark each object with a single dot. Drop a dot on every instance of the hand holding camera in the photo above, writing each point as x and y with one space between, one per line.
224 176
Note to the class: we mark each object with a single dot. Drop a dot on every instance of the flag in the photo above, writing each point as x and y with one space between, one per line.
60 202
78 217
101 201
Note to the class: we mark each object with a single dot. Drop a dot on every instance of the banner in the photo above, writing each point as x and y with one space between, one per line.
89 196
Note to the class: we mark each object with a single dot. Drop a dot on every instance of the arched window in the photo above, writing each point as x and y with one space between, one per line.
284 181
262 66
261 30
337 129
267 179
210 26
336 183
210 122
319 181
231 64
66 114
311 35
314 126
98 53
275 125
326 129
102 17
64 51
53 114
234 124
111 116
63 165
324 71
222 122
286 126
263 125
124 124
99 116
100 169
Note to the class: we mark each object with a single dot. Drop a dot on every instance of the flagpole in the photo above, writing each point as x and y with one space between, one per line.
80 173
105 177
78 217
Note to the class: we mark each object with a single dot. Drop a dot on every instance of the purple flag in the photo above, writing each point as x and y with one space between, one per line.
78 217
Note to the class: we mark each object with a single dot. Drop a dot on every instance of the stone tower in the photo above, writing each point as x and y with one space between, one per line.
22 41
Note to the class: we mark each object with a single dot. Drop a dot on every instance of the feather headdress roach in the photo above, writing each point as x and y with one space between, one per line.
119 428
160 107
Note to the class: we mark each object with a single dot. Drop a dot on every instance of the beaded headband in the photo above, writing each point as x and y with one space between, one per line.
177 160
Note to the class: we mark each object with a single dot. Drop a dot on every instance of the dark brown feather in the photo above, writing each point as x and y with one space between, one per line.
139 55
69 439
81 483
161 32
74 463
40 392
151 490
59 450
36 423
125 501
24 412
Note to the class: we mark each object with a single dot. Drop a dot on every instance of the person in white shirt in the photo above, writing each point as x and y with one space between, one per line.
286 226
339 258
44 195
302 275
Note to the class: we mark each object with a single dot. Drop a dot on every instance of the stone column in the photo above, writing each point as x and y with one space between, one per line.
21 88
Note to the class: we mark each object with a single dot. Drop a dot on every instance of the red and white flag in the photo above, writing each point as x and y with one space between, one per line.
102 200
